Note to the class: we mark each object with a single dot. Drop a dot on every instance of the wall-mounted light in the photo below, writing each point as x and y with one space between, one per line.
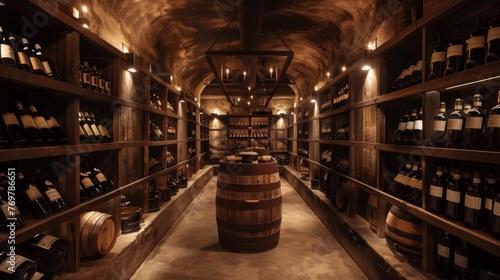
344 68
84 22
131 58
313 100
328 75
244 75
292 113
181 98
367 59
315 88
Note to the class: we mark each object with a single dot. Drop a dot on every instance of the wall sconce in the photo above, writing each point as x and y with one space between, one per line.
131 59
343 68
181 98
366 63
313 100
84 22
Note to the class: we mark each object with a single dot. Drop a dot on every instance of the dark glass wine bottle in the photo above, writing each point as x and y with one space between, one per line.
438 59
7 54
456 126
93 126
438 136
492 130
13 128
55 127
406 191
94 79
88 184
46 250
416 75
23 268
48 137
462 260
102 129
475 45
473 202
493 39
490 191
49 72
408 133
86 128
23 59
417 132
454 197
436 190
495 221
33 197
392 189
445 252
36 63
474 125
454 54
49 191
85 73
105 183
10 212
28 124
4 138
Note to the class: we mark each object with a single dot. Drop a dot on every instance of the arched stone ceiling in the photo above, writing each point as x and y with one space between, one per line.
324 34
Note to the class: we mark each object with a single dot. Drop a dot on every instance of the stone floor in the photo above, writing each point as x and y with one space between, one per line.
190 249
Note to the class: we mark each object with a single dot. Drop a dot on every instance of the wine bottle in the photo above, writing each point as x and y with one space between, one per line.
48 138
28 124
473 202
490 192
88 184
416 75
47 251
49 191
55 127
398 134
104 182
454 197
86 128
475 45
4 138
445 252
454 54
438 136
403 180
438 59
406 191
7 54
10 212
455 126
493 39
22 268
408 132
436 191
36 63
101 83
462 260
417 131
23 60
492 131
13 128
102 129
49 72
474 125
85 73
33 197
94 80
495 221
95 130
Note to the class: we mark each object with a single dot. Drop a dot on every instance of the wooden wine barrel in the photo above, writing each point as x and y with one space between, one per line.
403 233
98 233
248 206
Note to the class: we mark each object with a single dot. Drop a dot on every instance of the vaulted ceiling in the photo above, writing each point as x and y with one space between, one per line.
324 34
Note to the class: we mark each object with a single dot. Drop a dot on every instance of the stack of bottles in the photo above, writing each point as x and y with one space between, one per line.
341 99
93 182
326 105
170 159
342 166
154 166
93 79
171 131
326 157
408 77
262 111
326 130
342 133
22 128
155 101
475 129
155 133
407 184
410 129
92 132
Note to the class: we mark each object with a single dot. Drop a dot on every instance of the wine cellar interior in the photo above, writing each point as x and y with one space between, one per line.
269 139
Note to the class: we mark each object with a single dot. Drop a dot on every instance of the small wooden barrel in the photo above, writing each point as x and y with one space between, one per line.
98 233
248 206
403 233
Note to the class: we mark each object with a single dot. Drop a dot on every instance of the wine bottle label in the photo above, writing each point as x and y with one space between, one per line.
476 42
409 125
494 121
418 125
40 122
488 204
107 87
27 121
36 63
496 209
81 131
23 58
87 183
85 78
47 68
455 124
33 193
413 182
93 81
88 130
439 125
53 195
402 126
443 251
473 202
6 267
37 276
100 177
47 241
474 122
52 123
418 185
10 119
436 191
493 34
7 210
438 57
95 130
7 51
405 180
101 84
461 261
104 130
453 196
454 51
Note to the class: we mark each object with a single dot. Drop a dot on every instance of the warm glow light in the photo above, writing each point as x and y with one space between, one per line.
249 88
245 77
238 99
343 69
171 78
251 96
292 113
84 9
131 70
248 102
313 100
195 99
271 71
328 75
85 25
366 67
315 88
301 99
372 45
227 73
